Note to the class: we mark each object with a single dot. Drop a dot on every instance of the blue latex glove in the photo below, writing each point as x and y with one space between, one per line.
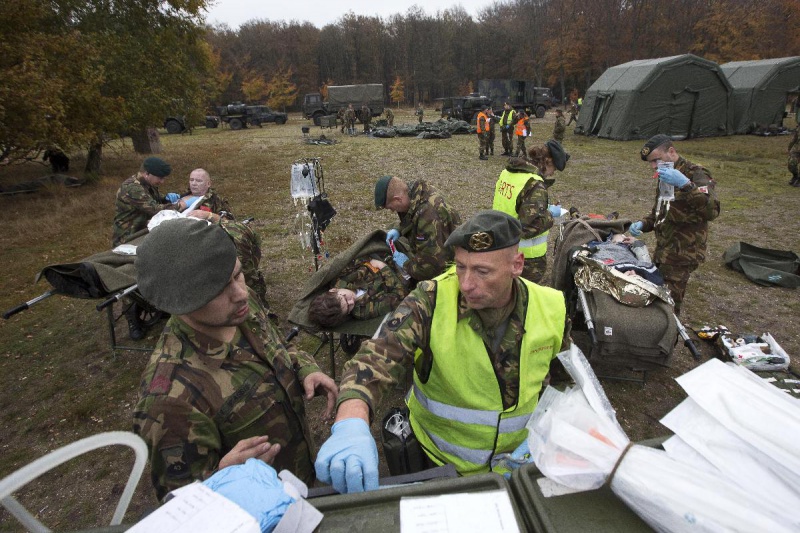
172 197
673 177
555 210
636 228
255 487
348 460
399 258
521 455
392 235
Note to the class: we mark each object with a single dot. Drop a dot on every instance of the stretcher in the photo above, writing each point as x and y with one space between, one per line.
630 320
348 335
108 276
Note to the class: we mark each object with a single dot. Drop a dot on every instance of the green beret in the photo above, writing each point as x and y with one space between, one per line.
380 191
486 231
157 167
654 142
183 264
560 157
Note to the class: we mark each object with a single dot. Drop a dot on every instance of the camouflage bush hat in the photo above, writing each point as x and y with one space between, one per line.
654 142
157 167
380 191
560 157
486 231
183 264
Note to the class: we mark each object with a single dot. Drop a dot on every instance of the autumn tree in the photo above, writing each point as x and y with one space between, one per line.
254 87
397 91
282 92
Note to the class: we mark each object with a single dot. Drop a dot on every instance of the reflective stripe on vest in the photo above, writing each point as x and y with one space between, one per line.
458 415
506 193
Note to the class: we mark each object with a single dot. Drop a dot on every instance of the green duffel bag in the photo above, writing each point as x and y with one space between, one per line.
764 266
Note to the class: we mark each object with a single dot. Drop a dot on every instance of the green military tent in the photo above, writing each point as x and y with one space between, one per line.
761 90
681 96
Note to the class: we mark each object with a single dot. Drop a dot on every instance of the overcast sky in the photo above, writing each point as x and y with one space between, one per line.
322 12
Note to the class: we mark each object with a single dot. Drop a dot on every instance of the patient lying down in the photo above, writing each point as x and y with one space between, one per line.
369 288
628 255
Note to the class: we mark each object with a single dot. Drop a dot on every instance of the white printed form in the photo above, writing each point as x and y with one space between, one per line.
479 512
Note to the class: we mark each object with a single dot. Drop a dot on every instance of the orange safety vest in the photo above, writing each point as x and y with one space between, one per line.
486 122
520 129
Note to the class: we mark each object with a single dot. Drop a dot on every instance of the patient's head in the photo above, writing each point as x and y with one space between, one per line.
331 308
199 182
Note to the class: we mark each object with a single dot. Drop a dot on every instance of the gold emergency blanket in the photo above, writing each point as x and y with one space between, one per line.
631 290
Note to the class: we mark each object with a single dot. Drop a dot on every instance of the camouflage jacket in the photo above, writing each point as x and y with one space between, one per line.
389 113
248 249
137 202
198 397
426 226
573 110
532 201
794 142
366 114
384 289
382 361
212 202
349 115
681 226
559 128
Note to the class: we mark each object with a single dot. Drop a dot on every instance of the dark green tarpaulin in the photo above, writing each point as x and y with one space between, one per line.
764 266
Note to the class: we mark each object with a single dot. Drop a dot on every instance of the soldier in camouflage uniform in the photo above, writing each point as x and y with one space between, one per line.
681 226
507 128
350 119
426 221
381 287
341 117
420 112
521 192
794 158
366 117
468 334
200 185
492 127
389 117
522 130
560 127
573 113
220 387
138 200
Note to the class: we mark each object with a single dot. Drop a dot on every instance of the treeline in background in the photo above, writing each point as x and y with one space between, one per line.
76 73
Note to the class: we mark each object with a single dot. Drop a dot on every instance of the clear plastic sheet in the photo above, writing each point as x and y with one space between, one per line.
699 485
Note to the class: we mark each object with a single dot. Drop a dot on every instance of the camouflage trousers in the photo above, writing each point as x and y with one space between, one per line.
676 278
490 142
520 147
534 269
507 137
794 165
483 143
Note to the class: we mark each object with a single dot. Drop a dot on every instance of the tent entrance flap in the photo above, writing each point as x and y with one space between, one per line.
681 115
601 105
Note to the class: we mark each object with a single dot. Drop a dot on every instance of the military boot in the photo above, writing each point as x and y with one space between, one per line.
135 331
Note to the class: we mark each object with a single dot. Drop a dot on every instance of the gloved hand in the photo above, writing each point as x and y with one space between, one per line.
636 228
348 460
399 258
254 486
172 197
520 456
392 235
557 210
673 177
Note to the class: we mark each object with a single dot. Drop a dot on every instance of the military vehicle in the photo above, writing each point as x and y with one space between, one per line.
464 107
177 124
339 96
238 115
521 94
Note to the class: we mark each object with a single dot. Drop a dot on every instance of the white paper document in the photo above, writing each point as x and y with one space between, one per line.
197 509
479 512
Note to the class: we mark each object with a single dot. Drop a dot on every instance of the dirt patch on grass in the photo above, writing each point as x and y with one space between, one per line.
62 383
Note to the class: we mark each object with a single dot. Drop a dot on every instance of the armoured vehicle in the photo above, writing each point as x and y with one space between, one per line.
238 115
339 96
521 94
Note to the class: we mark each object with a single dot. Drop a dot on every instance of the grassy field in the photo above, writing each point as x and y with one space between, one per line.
61 382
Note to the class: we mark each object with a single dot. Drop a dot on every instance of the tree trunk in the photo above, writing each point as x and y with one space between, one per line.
146 141
93 161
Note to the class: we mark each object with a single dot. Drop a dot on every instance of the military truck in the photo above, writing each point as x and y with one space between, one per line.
178 124
464 107
238 115
339 96
521 94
